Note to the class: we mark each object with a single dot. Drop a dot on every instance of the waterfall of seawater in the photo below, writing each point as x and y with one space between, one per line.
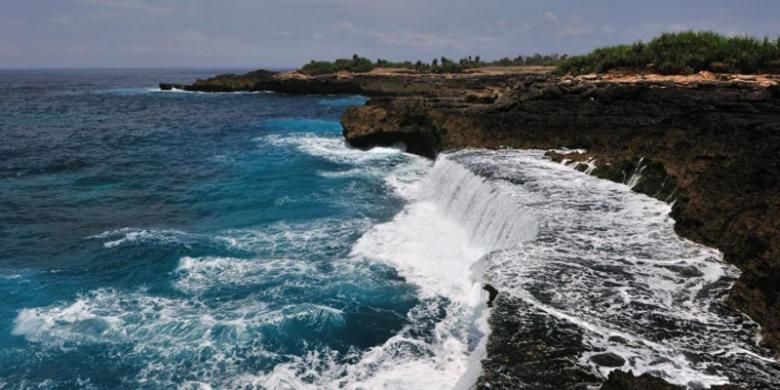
582 250
486 209
454 218
596 255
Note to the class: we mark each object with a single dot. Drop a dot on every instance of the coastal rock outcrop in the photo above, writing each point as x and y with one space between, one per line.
468 87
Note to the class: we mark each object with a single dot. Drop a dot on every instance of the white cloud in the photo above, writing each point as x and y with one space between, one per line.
410 38
155 8
573 26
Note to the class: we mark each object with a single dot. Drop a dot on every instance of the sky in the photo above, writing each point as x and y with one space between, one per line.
287 33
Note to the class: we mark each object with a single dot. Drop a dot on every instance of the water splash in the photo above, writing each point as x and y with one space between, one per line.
608 260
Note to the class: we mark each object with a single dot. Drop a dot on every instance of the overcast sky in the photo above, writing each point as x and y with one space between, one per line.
283 33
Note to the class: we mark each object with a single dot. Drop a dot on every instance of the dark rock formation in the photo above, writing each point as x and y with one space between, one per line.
472 88
608 359
529 349
225 83
712 147
619 380
492 294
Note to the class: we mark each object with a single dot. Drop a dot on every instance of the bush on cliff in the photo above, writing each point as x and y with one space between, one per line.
439 65
682 53
357 65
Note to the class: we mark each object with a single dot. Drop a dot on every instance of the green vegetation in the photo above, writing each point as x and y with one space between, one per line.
671 53
534 60
357 64
438 65
682 53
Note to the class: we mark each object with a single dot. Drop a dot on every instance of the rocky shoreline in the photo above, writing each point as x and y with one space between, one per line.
708 143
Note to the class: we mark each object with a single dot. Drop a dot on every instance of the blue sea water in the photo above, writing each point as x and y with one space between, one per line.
155 239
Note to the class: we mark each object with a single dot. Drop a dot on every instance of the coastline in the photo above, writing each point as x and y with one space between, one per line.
707 144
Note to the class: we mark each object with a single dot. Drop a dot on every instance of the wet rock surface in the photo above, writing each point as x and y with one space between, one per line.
608 359
531 351
620 380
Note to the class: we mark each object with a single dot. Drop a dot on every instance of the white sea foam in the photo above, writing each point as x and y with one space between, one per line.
177 90
636 175
10 276
129 236
401 171
283 237
312 236
434 243
201 274
334 149
167 332
608 260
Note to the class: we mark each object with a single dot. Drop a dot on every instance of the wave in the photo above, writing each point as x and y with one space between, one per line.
133 91
608 261
176 90
168 332
585 251
197 275
334 149
281 237
435 243
274 239
134 236
401 171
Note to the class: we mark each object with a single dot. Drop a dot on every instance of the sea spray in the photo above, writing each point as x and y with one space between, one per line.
608 261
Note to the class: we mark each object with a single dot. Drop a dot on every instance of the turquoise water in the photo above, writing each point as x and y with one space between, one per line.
163 239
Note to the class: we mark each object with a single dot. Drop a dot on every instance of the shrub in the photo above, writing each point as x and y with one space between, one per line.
681 53
319 67
357 64
437 65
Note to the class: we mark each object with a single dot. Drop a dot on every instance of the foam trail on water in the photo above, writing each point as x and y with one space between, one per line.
333 149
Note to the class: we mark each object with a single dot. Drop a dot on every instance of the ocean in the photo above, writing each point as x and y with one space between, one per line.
169 239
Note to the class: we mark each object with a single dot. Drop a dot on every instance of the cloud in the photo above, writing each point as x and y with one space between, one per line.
573 26
156 8
551 18
414 39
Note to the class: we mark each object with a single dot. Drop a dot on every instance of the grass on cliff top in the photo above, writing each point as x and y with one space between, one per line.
682 53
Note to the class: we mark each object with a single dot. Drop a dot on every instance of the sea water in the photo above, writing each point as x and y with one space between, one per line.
165 239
